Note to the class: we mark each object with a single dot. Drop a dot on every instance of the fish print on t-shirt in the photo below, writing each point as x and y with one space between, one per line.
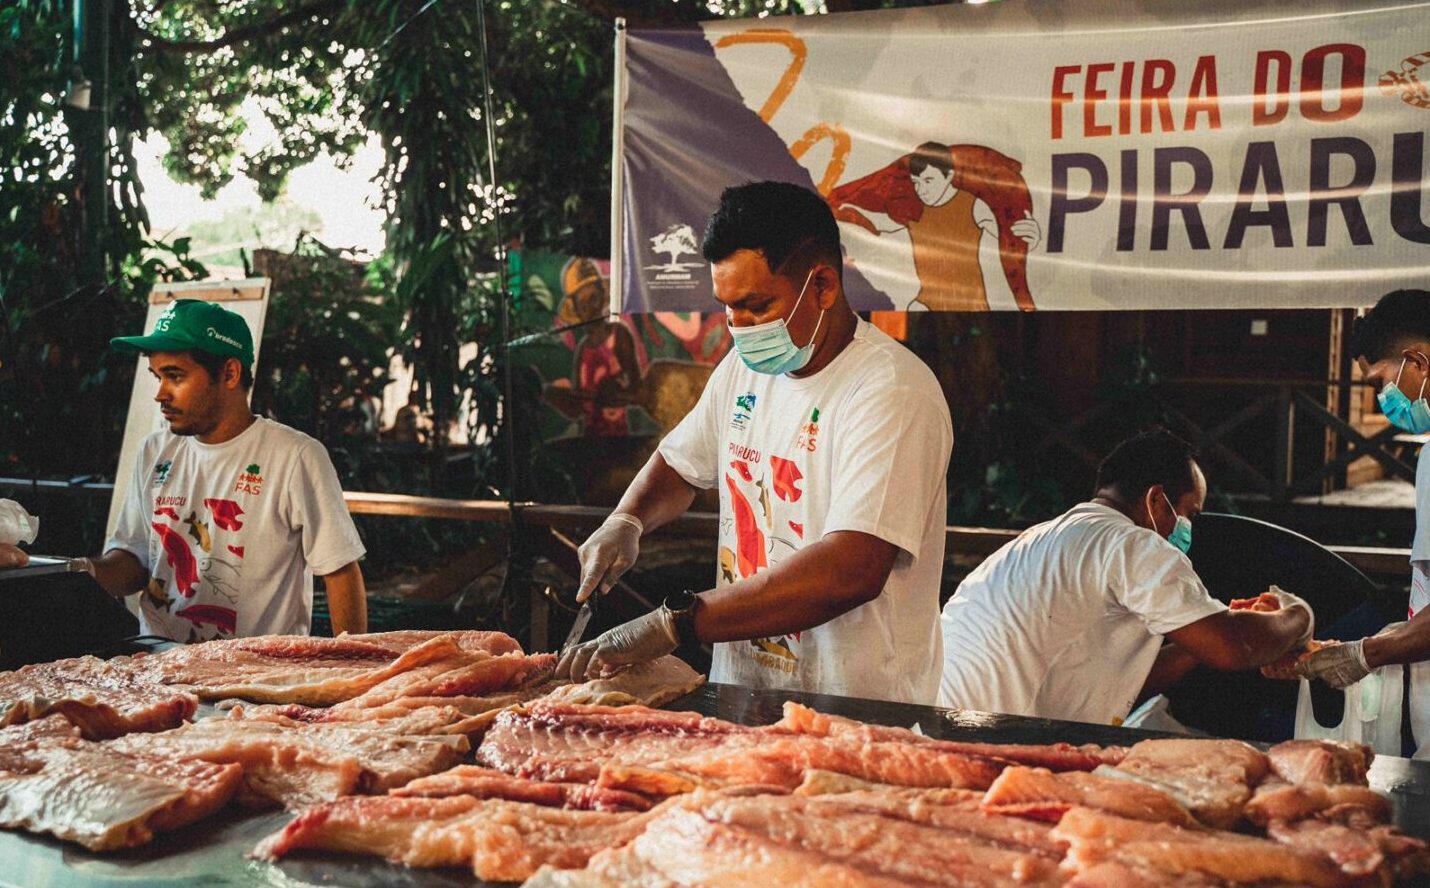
767 519
203 557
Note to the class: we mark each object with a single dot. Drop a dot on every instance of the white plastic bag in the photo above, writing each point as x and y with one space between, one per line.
1372 713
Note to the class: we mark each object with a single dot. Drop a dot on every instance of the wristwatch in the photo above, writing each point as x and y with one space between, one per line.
681 607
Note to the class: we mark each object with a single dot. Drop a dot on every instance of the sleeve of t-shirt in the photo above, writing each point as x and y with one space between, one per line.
1157 583
131 531
691 448
890 463
330 539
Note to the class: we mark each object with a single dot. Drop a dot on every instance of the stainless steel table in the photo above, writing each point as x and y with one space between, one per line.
213 853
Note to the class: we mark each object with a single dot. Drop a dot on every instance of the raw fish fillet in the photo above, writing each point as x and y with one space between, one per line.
568 743
1212 778
500 840
484 783
1094 837
781 761
104 698
799 719
97 795
652 683
1275 800
1377 853
464 674
1041 794
297 764
311 671
1323 761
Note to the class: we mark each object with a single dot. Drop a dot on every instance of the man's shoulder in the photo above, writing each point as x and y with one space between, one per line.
285 442
881 362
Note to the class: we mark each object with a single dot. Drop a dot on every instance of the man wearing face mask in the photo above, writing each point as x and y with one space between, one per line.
829 443
1068 620
1392 347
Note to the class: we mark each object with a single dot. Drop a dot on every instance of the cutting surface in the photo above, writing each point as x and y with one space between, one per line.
214 852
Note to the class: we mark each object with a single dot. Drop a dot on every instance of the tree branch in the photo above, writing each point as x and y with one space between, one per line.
246 33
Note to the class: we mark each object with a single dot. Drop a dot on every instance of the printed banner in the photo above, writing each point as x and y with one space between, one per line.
1044 155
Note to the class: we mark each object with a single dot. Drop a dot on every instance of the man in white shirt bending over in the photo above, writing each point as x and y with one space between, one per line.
1068 620
829 443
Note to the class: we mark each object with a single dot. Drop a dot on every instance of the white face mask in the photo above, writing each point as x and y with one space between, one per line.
768 348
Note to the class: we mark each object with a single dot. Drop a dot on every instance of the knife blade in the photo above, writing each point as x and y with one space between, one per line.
583 617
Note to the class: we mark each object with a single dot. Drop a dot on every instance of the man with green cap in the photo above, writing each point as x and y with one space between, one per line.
229 516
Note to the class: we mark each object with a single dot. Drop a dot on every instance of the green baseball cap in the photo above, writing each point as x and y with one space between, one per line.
193 323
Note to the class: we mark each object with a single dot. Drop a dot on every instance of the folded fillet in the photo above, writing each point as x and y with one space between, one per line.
297 764
1310 777
1041 794
653 683
463 674
96 795
484 783
500 840
1095 837
1211 778
800 719
1321 761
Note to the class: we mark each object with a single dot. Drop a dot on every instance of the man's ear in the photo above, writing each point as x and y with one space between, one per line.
232 373
826 285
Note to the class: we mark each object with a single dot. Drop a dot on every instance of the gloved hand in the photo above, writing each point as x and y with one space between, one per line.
608 553
16 525
1338 665
1287 600
642 639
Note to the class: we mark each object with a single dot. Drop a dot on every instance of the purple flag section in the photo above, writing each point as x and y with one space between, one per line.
679 96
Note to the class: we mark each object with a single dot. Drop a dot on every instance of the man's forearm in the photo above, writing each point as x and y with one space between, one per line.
347 599
1171 666
1266 636
810 587
658 495
1407 643
118 572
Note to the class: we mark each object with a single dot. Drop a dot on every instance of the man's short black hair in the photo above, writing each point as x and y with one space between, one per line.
931 154
1155 456
778 220
213 364
1398 318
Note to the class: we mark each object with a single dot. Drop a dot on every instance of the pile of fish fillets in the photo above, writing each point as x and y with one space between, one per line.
573 794
103 753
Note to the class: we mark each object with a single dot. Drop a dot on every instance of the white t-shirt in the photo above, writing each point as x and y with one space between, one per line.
1066 621
233 533
861 445
1419 599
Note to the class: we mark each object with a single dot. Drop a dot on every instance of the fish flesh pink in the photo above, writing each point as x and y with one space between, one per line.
1323 761
104 698
1212 778
799 719
1377 852
97 795
465 674
1095 837
484 783
500 840
310 671
297 764
1275 800
1041 794
783 760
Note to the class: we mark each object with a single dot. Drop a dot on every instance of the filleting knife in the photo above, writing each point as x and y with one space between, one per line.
583 617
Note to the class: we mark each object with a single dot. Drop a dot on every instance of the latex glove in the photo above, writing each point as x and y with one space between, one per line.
16 525
608 553
1287 600
12 556
1338 665
644 638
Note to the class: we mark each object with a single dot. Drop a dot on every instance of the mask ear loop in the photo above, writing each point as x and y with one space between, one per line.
1151 517
1424 377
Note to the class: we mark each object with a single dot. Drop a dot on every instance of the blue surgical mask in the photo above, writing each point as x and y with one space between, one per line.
768 348
1412 416
1182 533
